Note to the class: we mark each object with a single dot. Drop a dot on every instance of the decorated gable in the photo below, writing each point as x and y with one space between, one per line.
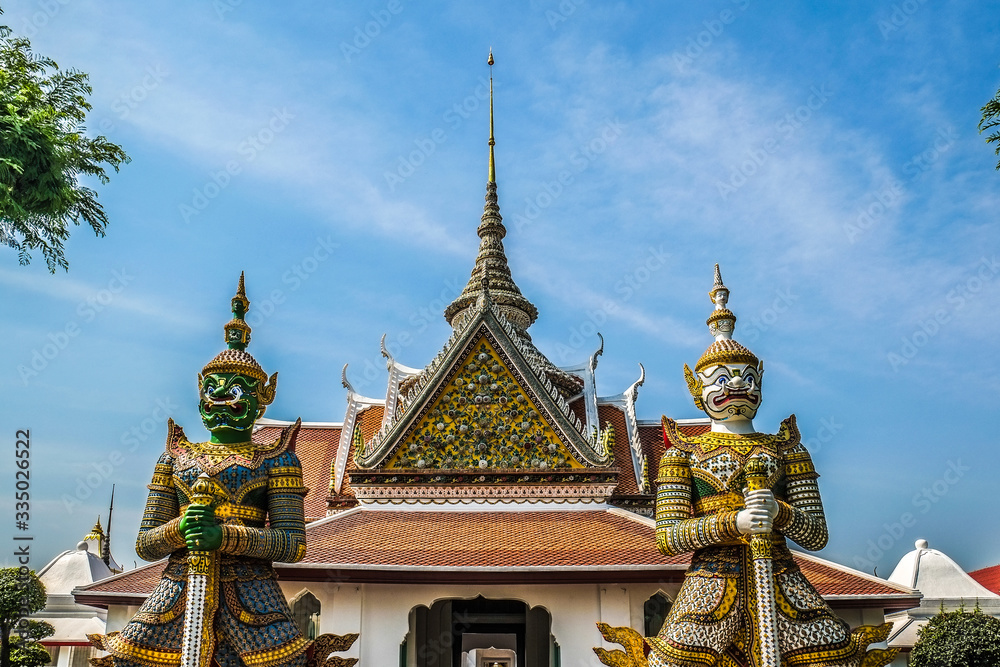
483 417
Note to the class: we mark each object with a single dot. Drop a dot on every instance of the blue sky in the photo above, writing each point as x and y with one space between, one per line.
826 156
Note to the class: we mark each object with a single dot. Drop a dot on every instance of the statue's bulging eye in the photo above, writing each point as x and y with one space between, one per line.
236 391
722 380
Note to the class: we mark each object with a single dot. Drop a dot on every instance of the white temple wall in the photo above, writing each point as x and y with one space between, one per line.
118 616
380 613
575 609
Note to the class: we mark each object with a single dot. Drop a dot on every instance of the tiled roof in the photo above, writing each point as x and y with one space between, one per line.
370 421
140 581
500 539
623 453
417 546
579 409
651 437
833 580
316 447
988 577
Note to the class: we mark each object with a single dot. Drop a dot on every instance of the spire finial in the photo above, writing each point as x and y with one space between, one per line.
719 293
493 168
237 330
491 262
722 321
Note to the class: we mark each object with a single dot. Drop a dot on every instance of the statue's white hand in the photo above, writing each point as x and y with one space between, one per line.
758 517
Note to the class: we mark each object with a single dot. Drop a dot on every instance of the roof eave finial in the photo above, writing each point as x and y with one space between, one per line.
493 168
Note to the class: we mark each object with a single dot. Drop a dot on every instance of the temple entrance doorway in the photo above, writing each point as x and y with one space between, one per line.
450 629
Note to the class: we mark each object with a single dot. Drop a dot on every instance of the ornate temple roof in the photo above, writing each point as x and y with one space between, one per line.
483 373
489 403
548 544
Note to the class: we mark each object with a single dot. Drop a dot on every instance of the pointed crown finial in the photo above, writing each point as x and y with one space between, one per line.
235 359
97 532
721 324
237 330
719 293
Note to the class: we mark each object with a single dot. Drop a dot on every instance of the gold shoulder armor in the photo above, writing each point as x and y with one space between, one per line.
788 435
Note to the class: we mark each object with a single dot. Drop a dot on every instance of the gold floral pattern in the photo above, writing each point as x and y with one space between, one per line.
484 419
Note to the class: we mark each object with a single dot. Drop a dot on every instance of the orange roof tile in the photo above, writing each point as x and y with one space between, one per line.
623 452
316 448
370 421
141 581
651 437
988 577
500 539
836 581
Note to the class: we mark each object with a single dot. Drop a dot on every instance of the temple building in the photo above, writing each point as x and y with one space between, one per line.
944 586
491 507
73 621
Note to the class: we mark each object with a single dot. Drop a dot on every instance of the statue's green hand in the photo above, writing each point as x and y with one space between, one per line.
199 528
206 538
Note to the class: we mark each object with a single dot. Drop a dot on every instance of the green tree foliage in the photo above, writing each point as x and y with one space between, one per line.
21 595
25 651
958 639
44 151
991 121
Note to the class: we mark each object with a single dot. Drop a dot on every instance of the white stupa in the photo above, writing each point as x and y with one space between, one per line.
943 584
71 620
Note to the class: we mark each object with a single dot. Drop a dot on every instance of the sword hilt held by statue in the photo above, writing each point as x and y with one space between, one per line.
756 475
198 643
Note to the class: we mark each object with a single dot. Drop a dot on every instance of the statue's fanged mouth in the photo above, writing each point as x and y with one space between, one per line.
235 407
735 396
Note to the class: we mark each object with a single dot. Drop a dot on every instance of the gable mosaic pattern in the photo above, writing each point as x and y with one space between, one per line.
483 419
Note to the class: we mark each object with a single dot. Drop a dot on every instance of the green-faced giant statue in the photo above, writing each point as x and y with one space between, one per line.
222 511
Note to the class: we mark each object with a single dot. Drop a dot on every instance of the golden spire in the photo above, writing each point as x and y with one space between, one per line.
493 168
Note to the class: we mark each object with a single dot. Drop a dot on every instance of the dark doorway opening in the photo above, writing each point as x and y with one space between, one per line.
482 616
438 631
